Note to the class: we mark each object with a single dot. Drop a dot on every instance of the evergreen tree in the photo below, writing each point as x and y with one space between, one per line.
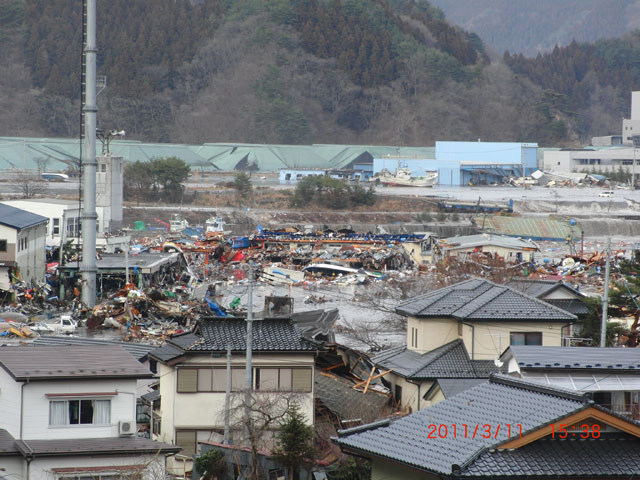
294 442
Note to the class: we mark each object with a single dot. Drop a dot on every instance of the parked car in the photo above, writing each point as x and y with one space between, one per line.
64 324
606 193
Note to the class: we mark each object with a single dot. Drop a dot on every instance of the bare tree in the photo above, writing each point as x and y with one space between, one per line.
29 185
254 419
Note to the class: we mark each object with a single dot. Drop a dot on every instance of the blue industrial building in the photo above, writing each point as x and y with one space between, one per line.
469 163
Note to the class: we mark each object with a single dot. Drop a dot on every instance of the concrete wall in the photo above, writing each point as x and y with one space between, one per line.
109 192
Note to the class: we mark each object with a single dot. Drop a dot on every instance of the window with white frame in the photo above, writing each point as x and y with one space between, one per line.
79 412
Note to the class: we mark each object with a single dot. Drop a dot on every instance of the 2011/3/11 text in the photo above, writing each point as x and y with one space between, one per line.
472 431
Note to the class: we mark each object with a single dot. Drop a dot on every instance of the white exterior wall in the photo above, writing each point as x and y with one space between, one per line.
36 408
386 470
412 393
12 468
41 468
9 404
561 294
109 192
31 260
605 160
50 210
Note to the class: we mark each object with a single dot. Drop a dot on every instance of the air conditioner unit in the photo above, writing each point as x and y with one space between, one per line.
126 428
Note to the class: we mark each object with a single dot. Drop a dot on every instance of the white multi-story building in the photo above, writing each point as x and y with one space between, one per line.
22 246
71 412
631 126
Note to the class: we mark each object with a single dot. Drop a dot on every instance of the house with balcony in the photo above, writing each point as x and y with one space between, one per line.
193 375
611 375
506 428
457 333
69 411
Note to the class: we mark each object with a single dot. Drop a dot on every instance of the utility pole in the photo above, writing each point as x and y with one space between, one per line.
89 108
227 397
248 380
605 299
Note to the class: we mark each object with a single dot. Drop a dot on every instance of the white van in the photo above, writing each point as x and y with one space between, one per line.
606 193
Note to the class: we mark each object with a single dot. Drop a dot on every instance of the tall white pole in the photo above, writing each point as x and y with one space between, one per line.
88 267
248 380
605 298
227 398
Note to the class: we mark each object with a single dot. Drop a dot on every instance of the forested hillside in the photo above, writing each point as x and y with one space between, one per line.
392 72
532 27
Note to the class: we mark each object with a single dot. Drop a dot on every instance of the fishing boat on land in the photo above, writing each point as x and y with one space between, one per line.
402 177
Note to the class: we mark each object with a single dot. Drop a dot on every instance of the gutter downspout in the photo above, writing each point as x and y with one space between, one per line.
562 330
22 407
473 339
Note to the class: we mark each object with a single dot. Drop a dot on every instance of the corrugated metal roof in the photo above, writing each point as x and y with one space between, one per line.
18 218
539 357
470 241
24 153
33 362
535 228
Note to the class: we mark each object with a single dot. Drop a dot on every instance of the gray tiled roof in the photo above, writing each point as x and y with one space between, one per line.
273 334
538 288
18 218
501 401
571 305
479 299
215 333
448 361
63 362
93 446
7 444
609 456
454 386
138 350
589 358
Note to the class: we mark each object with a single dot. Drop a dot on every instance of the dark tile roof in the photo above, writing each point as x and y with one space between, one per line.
479 299
63 362
138 350
18 218
501 401
215 333
539 288
571 305
7 444
454 386
271 334
574 358
448 361
609 456
93 446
